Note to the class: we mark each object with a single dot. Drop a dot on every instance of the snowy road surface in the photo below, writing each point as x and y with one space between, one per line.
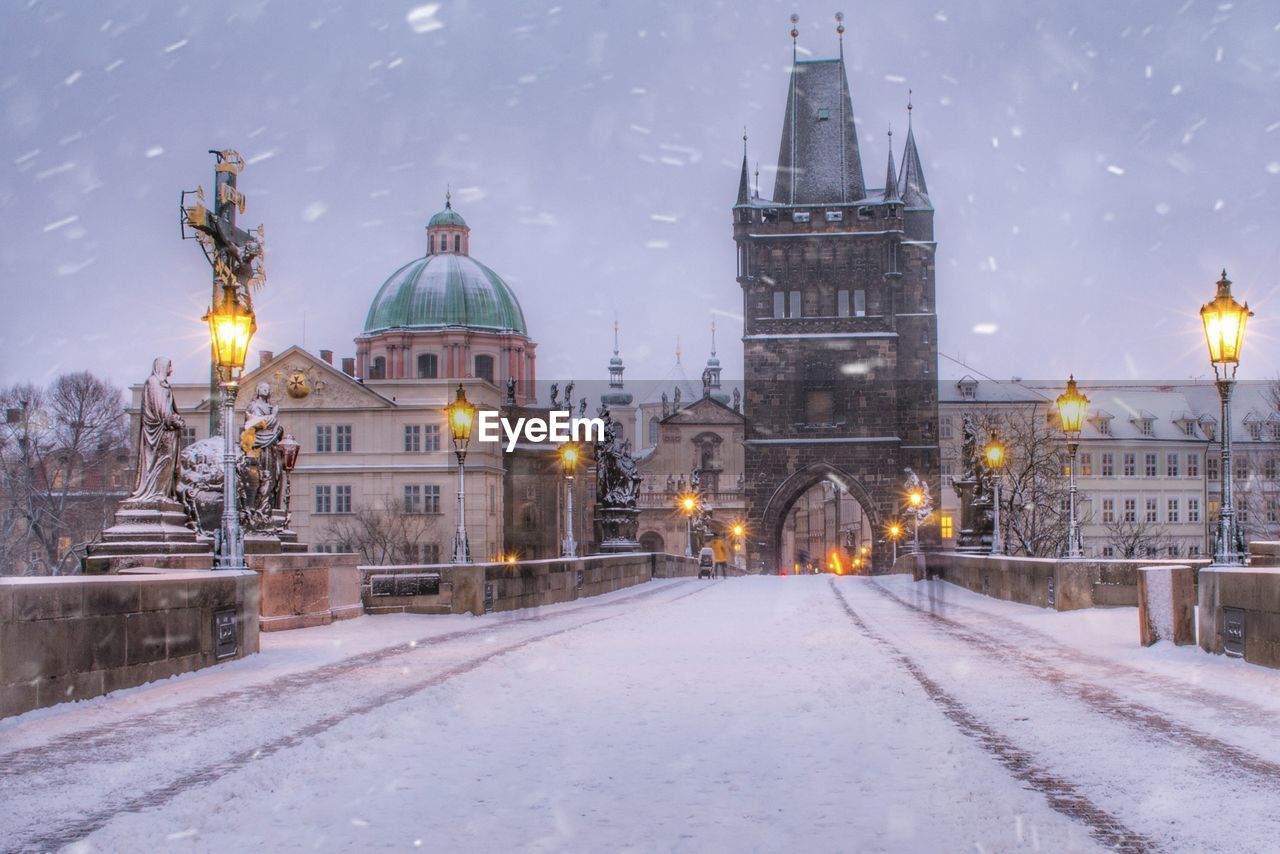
755 714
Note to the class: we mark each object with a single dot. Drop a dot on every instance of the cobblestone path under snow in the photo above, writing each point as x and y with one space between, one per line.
807 713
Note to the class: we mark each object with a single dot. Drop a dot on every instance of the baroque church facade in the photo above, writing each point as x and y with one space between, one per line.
840 324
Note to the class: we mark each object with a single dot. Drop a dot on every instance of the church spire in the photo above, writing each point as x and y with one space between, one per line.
616 395
891 176
911 185
818 159
744 181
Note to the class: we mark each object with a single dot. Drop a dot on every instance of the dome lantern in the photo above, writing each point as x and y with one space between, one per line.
447 231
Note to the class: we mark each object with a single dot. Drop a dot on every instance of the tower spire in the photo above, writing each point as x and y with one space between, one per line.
840 32
911 185
891 176
615 335
713 338
791 107
617 395
744 181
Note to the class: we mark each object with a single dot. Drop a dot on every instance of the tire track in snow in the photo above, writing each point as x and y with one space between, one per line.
1237 710
95 744
1061 795
168 790
1228 759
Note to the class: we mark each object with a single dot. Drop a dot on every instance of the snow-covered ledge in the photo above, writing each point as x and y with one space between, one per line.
1240 613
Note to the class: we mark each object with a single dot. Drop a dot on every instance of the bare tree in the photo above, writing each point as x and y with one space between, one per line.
1132 538
59 475
386 534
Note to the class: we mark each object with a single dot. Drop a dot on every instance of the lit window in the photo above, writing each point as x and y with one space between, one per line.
946 525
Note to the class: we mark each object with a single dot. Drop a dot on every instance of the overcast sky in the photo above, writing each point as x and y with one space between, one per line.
1093 165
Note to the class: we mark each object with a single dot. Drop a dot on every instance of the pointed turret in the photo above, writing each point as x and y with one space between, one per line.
711 374
911 186
818 160
616 395
744 184
891 177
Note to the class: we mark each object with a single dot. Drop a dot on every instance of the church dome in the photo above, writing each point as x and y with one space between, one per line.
445 290
448 216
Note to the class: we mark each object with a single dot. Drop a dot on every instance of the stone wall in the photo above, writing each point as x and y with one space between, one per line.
75 637
306 589
1240 613
1046 582
484 587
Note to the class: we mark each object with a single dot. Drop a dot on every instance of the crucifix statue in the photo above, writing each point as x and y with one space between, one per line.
234 254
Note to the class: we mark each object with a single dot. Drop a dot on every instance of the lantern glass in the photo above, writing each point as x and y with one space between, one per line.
994 452
1072 406
289 448
569 457
688 503
461 414
231 326
1224 321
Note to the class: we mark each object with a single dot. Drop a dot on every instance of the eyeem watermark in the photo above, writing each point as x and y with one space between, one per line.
561 427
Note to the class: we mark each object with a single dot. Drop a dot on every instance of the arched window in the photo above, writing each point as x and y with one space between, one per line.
378 370
444 243
457 243
653 430
484 367
428 366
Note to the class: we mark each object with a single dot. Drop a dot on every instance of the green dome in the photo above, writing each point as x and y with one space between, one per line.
445 290
448 216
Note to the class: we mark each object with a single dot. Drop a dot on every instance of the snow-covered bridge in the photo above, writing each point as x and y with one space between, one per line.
802 713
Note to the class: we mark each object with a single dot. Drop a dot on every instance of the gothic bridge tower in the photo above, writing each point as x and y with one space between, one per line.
840 331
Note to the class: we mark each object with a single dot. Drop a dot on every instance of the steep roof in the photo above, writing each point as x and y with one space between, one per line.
818 160
911 185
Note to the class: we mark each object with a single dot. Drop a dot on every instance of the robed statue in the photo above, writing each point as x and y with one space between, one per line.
260 441
158 444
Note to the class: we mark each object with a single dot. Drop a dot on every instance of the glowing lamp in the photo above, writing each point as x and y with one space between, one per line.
1224 320
895 531
915 497
1072 406
231 325
461 414
688 503
739 529
994 453
289 448
569 457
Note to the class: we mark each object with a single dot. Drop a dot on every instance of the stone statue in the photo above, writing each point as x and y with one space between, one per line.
706 382
158 438
511 391
555 392
582 408
666 405
259 440
568 396
737 400
617 489
969 449
676 401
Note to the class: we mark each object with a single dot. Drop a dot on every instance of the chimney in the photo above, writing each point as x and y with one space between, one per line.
327 355
349 365
265 357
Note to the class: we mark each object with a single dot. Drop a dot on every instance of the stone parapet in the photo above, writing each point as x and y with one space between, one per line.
1240 613
306 589
75 637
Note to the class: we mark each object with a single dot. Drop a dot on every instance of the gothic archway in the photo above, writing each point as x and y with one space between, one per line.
777 508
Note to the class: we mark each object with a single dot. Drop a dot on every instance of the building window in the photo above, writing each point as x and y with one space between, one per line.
324 499
1272 515
948 471
1172 511
457 243
412 438
1104 426
1193 509
1145 428
342 498
1149 465
1108 464
945 427
842 303
428 366
793 304
653 430
188 435
378 370
947 528
324 438
412 498
1086 464
1153 510
1131 509
819 407
342 439
1108 551
1130 465
859 303
1189 428
779 304
493 502
1171 465
1211 468
430 437
484 367
431 498
1108 510
1172 551
444 243
1242 468
1255 431
1193 550
1193 465
1269 469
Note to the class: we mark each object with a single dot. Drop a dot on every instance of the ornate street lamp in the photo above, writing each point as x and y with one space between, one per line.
231 326
688 505
1072 406
994 453
915 498
569 455
461 414
1224 320
894 532
289 448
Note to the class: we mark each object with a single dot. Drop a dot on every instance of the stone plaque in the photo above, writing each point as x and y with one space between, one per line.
406 584
488 597
1053 598
1233 632
581 579
224 633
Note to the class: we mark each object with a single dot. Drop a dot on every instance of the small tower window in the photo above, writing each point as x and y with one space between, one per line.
428 366
484 367
824 114
842 303
779 304
653 430
378 371
444 243
794 307
457 243
859 303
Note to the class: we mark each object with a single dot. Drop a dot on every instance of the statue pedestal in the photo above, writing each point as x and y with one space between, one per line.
972 539
616 529
152 532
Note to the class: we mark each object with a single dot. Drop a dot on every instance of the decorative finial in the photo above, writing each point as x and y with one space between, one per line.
713 337
890 134
448 198
795 33
615 336
757 179
908 108
840 31
677 349
744 141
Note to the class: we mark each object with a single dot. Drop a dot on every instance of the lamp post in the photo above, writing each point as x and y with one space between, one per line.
688 504
915 498
231 326
895 533
289 448
739 530
994 453
461 414
1224 321
569 461
1072 406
